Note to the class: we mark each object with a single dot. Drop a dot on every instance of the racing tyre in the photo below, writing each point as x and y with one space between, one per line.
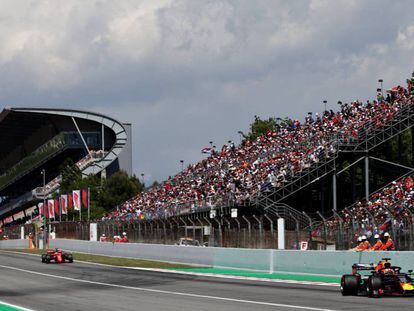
43 257
349 285
70 258
374 284
47 258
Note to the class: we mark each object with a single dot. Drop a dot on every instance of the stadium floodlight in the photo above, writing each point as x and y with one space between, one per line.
211 143
182 165
142 178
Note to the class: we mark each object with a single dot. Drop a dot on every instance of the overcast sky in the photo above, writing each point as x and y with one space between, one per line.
187 72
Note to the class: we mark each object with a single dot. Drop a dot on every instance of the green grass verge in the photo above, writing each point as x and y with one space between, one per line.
278 276
5 307
114 261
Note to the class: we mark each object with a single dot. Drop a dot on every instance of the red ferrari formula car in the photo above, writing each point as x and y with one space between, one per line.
380 280
57 255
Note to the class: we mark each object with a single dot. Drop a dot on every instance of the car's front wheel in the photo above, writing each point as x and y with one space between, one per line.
374 284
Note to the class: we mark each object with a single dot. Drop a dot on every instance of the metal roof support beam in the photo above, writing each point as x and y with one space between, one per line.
80 134
392 163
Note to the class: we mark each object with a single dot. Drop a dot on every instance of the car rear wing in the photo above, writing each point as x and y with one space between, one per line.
363 267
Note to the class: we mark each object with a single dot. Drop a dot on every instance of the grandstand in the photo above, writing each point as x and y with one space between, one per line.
37 139
331 177
295 171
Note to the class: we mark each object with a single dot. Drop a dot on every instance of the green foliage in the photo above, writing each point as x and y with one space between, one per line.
104 194
118 188
260 127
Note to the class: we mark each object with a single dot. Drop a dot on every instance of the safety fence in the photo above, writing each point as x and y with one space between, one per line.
241 232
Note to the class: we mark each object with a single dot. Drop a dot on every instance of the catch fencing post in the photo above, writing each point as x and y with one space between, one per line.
220 233
296 229
325 236
202 230
310 228
271 229
341 242
211 227
193 224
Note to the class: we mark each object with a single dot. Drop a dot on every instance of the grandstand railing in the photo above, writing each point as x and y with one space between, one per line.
36 158
82 164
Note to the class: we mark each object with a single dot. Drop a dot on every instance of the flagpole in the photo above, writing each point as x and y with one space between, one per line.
89 204
60 209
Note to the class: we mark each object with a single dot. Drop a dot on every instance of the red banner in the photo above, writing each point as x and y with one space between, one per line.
85 201
70 201
57 209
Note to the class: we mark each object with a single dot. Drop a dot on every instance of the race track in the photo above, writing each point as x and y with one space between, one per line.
26 282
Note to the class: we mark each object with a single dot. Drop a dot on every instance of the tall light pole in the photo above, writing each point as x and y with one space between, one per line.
44 210
241 135
142 178
324 102
381 81
182 165
211 143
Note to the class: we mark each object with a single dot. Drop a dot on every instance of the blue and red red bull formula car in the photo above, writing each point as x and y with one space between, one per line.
57 256
379 280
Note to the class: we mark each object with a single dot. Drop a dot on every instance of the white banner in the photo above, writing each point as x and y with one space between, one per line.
64 204
51 206
76 200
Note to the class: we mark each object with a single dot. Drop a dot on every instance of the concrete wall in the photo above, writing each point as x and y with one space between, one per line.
309 262
312 262
13 244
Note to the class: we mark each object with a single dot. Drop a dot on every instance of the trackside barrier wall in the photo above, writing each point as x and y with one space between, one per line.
13 244
285 261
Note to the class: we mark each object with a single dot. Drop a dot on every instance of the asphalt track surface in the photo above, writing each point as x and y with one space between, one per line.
26 282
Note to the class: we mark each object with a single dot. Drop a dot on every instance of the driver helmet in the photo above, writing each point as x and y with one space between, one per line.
123 233
360 239
364 237
103 234
376 236
386 234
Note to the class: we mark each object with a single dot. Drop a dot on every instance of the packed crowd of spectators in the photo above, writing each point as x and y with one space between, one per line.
392 206
239 173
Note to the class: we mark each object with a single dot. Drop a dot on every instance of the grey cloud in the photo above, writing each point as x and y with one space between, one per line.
187 72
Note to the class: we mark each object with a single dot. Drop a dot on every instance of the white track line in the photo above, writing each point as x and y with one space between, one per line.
169 292
212 275
14 306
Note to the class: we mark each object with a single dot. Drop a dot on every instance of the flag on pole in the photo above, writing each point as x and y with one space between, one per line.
43 211
70 200
85 202
64 204
76 200
207 150
51 206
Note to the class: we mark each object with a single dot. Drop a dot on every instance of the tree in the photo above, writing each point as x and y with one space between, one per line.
119 188
260 127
